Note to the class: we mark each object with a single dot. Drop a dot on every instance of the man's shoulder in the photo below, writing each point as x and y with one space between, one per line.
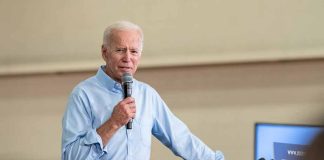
85 84
145 87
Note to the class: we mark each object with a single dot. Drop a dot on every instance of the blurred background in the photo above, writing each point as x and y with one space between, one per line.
221 66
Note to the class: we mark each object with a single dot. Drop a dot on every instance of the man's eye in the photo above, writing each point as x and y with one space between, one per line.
119 50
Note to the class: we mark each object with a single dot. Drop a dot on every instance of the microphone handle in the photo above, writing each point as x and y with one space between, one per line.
129 124
128 93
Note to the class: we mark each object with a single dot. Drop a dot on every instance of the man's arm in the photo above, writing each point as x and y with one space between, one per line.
80 140
173 133
123 112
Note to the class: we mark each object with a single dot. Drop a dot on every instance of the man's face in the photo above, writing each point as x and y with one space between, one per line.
123 54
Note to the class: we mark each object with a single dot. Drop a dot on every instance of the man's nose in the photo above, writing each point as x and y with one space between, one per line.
127 55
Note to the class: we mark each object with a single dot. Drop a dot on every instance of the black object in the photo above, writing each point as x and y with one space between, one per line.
127 81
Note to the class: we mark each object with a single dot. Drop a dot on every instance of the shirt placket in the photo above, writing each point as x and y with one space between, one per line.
129 144
118 89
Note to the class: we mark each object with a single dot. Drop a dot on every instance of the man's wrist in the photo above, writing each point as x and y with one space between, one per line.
113 125
107 130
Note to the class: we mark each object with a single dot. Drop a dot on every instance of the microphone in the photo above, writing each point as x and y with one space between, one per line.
127 81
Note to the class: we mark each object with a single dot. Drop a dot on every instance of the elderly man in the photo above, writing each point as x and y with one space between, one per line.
96 114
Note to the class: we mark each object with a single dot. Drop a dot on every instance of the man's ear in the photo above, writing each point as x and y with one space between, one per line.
104 52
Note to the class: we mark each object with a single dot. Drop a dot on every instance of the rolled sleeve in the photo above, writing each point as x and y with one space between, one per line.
92 137
82 148
79 139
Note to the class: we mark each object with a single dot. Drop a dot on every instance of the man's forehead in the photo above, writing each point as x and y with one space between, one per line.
121 32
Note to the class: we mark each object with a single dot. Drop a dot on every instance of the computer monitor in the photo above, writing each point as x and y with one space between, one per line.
283 141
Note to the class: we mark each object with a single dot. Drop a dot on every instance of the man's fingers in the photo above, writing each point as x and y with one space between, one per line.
131 115
125 110
131 106
128 100
131 110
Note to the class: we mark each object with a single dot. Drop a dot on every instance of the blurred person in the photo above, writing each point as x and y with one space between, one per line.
316 149
96 113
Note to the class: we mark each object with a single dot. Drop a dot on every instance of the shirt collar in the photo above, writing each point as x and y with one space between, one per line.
107 81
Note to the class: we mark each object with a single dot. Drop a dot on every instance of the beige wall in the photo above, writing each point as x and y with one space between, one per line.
220 104
47 47
48 36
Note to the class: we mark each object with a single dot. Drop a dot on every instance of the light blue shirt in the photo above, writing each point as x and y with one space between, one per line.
91 104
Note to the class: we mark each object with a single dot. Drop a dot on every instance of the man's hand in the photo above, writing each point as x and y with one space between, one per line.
124 111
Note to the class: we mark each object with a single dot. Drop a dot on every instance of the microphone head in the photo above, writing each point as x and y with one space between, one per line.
127 78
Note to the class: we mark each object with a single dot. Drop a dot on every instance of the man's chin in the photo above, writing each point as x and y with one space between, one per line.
126 71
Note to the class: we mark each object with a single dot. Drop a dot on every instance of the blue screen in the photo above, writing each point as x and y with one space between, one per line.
283 141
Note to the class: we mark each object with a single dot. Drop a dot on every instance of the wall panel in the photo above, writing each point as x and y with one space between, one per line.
219 103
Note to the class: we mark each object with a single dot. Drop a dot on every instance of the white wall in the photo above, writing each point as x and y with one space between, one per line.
220 104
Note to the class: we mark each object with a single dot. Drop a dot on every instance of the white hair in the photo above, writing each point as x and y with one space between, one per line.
121 25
